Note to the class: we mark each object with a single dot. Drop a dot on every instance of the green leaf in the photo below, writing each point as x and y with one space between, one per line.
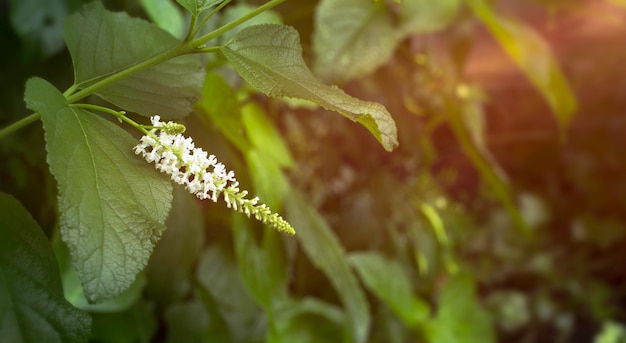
196 7
308 320
103 43
264 135
533 56
270 184
113 204
423 16
237 11
263 268
269 58
170 268
352 38
166 15
39 24
389 282
220 104
460 319
326 253
137 324
32 306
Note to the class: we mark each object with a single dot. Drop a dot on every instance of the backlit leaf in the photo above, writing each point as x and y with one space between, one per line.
32 306
264 136
166 15
530 52
112 204
103 43
326 253
269 58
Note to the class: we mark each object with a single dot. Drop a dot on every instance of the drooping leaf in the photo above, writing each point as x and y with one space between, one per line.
263 268
166 15
459 318
533 56
352 38
32 306
269 58
389 282
422 16
196 7
171 265
39 24
220 104
103 43
112 204
326 253
264 136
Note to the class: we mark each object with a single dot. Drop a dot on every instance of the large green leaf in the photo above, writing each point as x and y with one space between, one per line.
269 58
326 253
32 306
113 205
103 43
421 16
530 52
352 38
196 7
460 319
389 282
171 265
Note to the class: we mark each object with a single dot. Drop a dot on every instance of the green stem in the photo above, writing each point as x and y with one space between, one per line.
120 115
209 16
191 33
221 30
498 186
33 117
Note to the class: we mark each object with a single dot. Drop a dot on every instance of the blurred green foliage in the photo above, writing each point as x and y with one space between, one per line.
449 238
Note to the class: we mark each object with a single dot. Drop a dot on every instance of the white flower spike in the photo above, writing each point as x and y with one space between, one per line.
200 173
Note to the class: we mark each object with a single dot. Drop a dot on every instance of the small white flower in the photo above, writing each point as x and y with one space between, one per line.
200 173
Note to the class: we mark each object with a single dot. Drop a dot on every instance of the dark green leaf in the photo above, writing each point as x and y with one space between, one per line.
389 282
166 15
352 38
531 53
326 253
136 324
264 136
32 306
460 319
113 204
39 24
196 7
269 57
103 43
219 102
171 265
422 16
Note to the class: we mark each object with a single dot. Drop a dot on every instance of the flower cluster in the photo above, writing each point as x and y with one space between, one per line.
200 173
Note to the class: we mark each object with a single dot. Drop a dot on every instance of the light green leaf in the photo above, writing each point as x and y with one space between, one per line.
460 319
269 58
171 265
533 56
326 253
103 43
263 268
39 24
166 15
113 204
352 38
196 7
32 306
220 106
270 184
264 136
389 282
423 16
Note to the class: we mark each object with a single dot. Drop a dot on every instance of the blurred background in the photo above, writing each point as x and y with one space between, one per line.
501 216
